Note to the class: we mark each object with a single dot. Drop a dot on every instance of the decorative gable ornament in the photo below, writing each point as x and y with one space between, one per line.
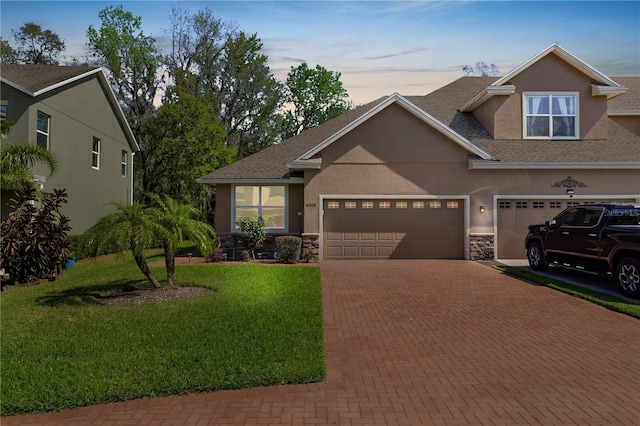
569 183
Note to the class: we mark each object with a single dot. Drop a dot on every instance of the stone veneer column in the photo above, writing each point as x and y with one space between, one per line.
482 246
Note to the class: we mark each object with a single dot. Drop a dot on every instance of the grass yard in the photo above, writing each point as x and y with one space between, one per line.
611 302
262 325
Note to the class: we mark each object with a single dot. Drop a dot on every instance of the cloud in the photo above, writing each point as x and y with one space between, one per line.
393 55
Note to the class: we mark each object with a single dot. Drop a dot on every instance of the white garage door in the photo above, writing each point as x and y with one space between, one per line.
515 216
393 229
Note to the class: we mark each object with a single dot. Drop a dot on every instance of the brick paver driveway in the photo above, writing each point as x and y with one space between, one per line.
431 342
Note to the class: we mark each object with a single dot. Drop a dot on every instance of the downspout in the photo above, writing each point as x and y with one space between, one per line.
131 177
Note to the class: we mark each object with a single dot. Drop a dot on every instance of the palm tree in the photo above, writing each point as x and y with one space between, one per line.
129 227
178 223
17 158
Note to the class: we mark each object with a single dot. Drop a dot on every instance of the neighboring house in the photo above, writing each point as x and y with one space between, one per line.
72 112
459 173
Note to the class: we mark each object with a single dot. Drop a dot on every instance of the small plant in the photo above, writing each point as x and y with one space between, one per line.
253 233
288 249
218 255
34 239
308 256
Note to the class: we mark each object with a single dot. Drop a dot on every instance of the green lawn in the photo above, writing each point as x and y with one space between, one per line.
262 325
611 302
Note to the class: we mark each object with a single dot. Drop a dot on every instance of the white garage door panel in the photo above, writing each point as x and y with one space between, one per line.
396 229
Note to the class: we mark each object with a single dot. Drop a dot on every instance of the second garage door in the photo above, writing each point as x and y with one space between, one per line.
393 229
515 216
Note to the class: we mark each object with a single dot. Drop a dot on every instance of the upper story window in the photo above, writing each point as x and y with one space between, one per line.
267 202
123 164
551 115
95 153
43 130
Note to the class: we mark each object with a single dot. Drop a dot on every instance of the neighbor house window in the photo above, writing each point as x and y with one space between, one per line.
3 110
551 115
258 201
95 153
43 130
123 164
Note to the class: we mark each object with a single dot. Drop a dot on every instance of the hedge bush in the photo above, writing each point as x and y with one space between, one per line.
288 249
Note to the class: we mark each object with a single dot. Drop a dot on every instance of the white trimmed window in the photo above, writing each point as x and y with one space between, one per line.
265 201
3 109
95 153
123 164
43 130
551 115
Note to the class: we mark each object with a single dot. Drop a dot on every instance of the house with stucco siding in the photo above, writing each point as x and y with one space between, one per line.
459 173
72 112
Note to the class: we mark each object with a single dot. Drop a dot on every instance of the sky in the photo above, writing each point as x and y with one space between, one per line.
380 47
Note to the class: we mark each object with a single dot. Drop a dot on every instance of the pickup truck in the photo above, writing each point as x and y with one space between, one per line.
601 238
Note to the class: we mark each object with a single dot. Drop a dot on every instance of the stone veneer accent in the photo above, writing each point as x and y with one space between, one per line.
482 247
230 243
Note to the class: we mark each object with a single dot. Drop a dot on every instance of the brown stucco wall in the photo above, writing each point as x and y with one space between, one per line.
223 208
631 123
502 115
368 161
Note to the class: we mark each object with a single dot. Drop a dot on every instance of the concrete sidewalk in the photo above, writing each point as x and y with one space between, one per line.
429 342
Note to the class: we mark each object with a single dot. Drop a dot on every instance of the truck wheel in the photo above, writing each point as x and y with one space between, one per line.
535 257
628 276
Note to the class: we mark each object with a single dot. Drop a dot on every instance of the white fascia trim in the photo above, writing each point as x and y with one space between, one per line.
623 113
487 93
568 57
114 100
250 181
314 164
608 91
68 81
467 212
478 165
424 116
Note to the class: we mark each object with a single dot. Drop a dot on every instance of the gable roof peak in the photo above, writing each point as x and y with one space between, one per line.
568 57
502 86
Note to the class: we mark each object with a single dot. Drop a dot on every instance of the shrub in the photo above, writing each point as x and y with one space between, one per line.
288 249
218 255
34 239
253 233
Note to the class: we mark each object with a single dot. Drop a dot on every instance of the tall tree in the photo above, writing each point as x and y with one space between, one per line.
17 158
129 227
185 142
133 61
37 46
316 95
8 54
209 56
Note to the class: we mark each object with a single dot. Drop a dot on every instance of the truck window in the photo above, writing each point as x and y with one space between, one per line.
625 217
591 217
568 218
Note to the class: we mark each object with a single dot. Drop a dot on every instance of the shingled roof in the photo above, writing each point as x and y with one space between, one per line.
622 146
35 78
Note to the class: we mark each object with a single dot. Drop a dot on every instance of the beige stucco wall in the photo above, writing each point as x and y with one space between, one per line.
395 153
631 123
79 112
502 115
